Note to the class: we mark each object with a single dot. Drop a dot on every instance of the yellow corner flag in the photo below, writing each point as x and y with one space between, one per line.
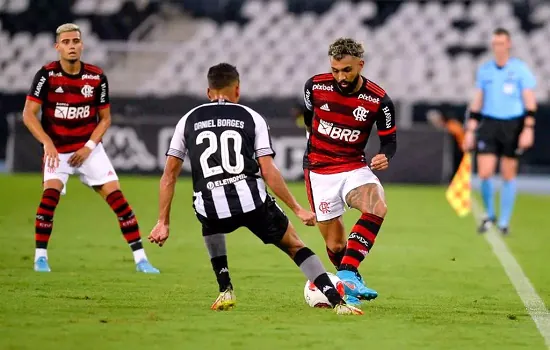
459 192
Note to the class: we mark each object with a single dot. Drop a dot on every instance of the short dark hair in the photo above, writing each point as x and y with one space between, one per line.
501 31
222 75
345 46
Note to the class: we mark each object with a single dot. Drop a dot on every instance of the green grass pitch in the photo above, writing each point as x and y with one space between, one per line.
440 285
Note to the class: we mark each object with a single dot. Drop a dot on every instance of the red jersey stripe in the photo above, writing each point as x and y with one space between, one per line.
387 132
35 99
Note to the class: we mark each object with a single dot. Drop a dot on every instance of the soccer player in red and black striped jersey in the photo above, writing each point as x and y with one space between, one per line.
340 110
74 99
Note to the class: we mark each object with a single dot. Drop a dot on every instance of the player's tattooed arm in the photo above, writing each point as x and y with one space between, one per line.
368 198
385 123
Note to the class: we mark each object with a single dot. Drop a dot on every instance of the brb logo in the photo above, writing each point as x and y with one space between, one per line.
337 133
323 87
63 111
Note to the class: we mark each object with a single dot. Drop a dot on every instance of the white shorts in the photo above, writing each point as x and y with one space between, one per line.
327 192
95 171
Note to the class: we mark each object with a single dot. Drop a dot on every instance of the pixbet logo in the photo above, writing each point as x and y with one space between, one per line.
369 98
323 87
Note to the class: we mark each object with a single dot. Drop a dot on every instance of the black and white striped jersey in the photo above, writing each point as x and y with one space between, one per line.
224 141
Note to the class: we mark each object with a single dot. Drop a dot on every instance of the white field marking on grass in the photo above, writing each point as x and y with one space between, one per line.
527 293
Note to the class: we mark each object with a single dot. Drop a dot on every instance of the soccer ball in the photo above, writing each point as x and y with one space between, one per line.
315 298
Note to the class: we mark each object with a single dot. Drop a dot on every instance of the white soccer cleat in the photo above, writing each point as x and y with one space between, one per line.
225 301
345 309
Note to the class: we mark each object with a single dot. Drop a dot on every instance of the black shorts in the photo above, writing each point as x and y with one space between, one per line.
268 222
499 137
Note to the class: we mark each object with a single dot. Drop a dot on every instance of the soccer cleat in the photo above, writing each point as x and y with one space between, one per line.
486 223
351 300
505 231
225 301
41 265
355 287
346 309
146 267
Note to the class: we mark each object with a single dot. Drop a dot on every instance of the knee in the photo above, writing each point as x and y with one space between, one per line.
336 246
508 175
380 209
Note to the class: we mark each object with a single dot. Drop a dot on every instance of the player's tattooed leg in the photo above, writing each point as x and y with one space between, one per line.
369 199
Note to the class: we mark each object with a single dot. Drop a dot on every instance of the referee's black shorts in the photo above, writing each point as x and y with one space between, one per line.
268 222
499 137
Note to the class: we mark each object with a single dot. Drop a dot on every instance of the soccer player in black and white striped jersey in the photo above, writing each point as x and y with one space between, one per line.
230 152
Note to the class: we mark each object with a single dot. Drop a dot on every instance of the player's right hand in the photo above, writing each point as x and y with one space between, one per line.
159 234
307 217
469 141
51 157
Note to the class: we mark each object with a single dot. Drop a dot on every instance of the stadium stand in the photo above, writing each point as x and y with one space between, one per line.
418 51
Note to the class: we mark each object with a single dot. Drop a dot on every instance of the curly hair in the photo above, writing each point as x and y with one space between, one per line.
222 75
345 46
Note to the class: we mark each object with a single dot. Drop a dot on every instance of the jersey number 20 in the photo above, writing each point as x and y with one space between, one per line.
224 152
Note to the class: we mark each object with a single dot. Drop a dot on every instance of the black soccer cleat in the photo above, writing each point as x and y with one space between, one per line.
486 223
505 231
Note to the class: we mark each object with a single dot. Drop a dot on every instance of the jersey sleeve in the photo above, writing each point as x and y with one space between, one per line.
479 78
527 78
308 102
386 125
103 94
39 89
178 147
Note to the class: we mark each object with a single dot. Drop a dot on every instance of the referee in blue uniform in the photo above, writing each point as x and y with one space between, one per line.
501 125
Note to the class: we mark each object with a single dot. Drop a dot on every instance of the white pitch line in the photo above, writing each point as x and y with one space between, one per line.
524 288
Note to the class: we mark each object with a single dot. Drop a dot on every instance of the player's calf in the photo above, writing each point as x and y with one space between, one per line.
43 227
310 264
130 229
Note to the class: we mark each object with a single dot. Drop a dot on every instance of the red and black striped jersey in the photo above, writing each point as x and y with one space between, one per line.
341 124
70 103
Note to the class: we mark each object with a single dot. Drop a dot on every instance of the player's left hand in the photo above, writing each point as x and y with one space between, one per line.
79 157
379 162
526 138
159 234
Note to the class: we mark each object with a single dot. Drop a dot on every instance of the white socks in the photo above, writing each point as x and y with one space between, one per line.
40 252
139 255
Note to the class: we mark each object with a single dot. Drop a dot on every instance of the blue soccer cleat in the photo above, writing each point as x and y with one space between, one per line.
351 300
355 287
41 265
146 267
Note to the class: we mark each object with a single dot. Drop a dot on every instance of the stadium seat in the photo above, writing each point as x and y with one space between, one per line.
413 49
